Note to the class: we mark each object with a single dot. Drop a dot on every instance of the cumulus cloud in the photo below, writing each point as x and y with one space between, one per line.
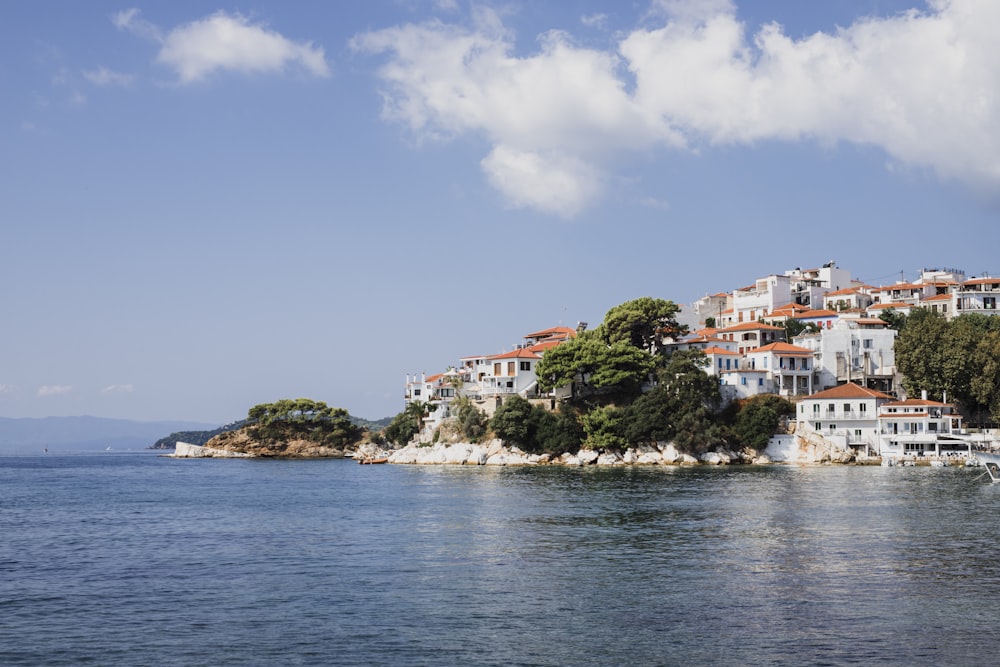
923 86
54 390
225 41
118 389
102 76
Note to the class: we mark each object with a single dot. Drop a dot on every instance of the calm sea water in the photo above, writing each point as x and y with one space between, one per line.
133 559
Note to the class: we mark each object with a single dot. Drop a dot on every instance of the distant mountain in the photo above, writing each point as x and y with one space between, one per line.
79 434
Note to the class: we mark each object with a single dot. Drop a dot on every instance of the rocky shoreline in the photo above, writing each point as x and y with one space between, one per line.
496 453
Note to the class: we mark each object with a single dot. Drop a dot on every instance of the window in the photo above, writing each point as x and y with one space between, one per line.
847 407
833 427
525 365
760 382
863 408
989 303
857 433
830 407
416 392
743 381
867 343
815 408
510 368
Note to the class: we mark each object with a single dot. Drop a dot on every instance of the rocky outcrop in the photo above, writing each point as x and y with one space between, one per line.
185 450
805 447
244 442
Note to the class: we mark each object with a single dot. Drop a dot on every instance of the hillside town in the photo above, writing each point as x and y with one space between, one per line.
840 372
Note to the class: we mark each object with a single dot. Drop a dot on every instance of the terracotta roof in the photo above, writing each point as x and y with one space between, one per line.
545 345
844 292
782 348
939 297
850 390
886 306
564 332
715 349
818 313
520 353
981 281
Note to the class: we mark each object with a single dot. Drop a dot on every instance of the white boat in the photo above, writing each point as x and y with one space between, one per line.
992 463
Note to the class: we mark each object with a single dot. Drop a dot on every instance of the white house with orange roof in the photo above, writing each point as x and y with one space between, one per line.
789 367
821 319
978 295
911 293
849 298
712 306
941 303
901 308
750 335
919 427
847 415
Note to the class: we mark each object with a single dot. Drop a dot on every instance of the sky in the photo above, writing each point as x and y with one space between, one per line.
209 205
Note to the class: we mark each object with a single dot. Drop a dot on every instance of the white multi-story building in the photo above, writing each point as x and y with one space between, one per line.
978 295
788 366
847 415
919 427
853 350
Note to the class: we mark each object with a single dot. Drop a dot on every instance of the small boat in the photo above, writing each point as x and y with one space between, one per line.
371 460
992 463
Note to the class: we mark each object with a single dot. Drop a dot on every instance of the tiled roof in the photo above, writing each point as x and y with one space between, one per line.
520 353
562 332
715 349
782 348
886 306
981 281
916 403
817 313
850 390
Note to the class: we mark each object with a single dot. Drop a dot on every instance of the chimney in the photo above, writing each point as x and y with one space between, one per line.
923 394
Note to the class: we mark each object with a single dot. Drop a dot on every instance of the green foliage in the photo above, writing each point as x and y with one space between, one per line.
681 408
985 386
594 365
758 419
472 422
512 422
402 428
895 319
642 323
795 327
949 357
710 322
604 427
303 419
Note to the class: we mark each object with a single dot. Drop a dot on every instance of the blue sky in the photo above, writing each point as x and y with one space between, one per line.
211 205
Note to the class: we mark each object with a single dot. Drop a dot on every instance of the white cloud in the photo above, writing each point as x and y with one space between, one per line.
224 41
924 86
118 389
552 183
7 389
54 390
102 76
594 20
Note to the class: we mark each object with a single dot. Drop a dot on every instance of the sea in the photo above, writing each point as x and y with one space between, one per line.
137 559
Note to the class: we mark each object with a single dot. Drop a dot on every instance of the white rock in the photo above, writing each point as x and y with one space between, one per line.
588 456
650 458
687 459
609 459
670 454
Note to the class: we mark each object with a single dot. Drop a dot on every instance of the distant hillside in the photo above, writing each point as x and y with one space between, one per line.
78 434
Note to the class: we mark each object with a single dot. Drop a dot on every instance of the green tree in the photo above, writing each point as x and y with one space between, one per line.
604 428
919 350
402 428
512 422
472 422
985 386
895 319
643 323
592 364
758 419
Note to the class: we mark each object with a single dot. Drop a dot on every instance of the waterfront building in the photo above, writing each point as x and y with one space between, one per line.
846 415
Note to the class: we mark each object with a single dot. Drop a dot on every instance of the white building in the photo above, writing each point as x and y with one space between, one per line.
853 350
788 366
919 427
847 415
